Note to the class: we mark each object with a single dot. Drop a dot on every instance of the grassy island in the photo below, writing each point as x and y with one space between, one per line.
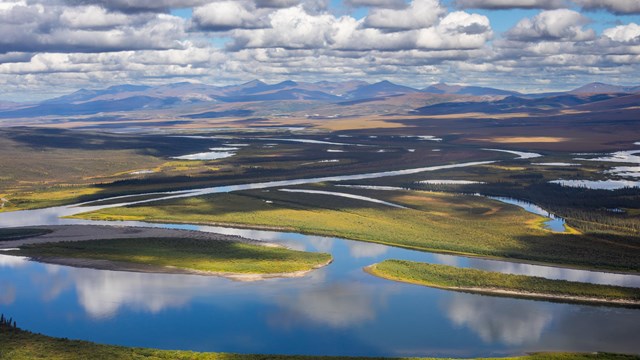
177 255
17 344
479 281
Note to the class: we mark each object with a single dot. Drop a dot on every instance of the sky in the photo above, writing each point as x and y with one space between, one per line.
53 47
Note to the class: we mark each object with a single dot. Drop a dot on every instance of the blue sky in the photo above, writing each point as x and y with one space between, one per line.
51 47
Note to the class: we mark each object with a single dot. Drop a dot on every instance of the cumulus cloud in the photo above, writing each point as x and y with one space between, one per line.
289 28
419 14
561 24
92 17
294 28
227 15
36 27
624 33
614 6
510 4
457 30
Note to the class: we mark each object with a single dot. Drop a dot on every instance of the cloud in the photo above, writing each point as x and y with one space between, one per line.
92 17
419 14
132 6
510 4
38 28
457 30
619 7
390 4
561 24
291 28
624 33
294 28
227 15
276 3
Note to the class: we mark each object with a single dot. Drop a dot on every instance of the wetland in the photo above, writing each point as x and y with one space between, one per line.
315 219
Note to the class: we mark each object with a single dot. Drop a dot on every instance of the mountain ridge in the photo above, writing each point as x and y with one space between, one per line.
446 97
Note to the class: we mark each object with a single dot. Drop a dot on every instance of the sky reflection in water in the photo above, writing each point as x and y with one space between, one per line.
360 314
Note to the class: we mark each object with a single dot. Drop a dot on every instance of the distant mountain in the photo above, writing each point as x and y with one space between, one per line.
336 88
287 94
514 104
442 88
620 102
248 86
92 107
7 105
380 89
202 100
602 88
87 95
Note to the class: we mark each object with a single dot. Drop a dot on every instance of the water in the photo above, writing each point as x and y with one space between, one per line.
336 310
555 223
625 171
449 182
598 184
214 154
618 157
521 154
556 164
345 195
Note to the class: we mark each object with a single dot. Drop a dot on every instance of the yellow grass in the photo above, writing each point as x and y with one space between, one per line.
523 139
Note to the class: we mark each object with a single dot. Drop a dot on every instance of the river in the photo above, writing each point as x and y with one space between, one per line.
336 310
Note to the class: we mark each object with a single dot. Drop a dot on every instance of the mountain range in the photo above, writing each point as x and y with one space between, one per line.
186 97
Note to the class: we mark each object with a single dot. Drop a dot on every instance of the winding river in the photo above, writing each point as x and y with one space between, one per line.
336 310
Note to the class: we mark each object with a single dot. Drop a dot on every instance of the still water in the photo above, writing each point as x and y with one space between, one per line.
336 310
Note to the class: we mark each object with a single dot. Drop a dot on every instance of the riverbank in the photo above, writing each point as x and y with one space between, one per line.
498 284
166 251
432 222
17 344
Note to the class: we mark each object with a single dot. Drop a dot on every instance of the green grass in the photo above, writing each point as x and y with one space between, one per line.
189 254
16 344
10 234
450 277
436 222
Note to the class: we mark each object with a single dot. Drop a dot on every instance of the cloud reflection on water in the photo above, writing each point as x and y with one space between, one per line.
338 305
13 261
102 293
7 293
360 250
497 319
